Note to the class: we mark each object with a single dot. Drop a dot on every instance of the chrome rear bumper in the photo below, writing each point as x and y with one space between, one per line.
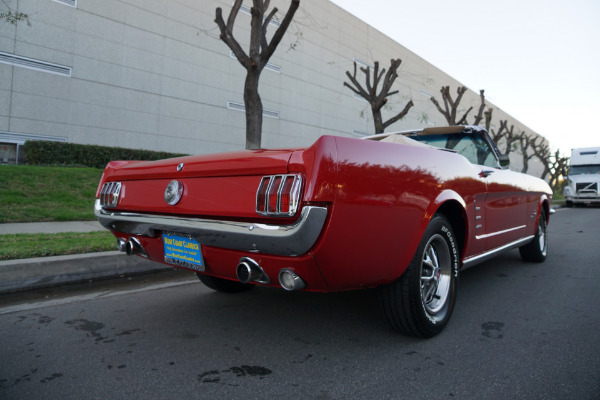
284 240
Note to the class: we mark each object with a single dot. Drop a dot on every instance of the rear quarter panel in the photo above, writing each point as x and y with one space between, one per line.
383 196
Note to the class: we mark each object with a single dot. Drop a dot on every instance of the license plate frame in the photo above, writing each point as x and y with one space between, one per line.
182 250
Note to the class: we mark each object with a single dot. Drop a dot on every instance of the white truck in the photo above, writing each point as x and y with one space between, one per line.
584 177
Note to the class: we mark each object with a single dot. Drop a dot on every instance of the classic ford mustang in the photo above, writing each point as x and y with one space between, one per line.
403 212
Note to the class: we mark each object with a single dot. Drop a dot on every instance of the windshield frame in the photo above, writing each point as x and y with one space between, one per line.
475 134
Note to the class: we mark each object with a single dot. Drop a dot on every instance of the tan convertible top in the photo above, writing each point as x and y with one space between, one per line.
401 139
404 137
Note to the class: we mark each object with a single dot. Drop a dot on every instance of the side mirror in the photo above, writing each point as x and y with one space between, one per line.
504 160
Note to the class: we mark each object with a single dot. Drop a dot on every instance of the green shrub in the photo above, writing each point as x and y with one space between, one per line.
40 152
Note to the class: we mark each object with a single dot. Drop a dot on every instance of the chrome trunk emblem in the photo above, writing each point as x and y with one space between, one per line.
180 167
173 192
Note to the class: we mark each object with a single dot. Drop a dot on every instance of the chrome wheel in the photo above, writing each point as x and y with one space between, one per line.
537 249
436 272
421 301
543 238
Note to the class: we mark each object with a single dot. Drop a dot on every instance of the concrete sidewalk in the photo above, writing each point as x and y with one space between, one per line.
35 273
51 227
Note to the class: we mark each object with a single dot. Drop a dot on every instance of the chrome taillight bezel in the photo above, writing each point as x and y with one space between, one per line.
275 184
110 193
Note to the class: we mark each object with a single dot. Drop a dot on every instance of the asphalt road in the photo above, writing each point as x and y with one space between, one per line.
519 331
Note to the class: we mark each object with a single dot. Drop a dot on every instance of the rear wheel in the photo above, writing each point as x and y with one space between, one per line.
421 301
224 285
537 249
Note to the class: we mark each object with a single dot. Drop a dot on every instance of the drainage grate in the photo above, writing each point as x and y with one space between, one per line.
20 61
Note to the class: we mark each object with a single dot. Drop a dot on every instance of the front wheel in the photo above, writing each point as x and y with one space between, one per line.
223 285
421 301
537 249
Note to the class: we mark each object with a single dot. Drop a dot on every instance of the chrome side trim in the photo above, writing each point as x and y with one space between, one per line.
487 235
469 262
284 240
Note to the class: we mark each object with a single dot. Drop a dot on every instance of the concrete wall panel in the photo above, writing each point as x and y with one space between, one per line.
154 74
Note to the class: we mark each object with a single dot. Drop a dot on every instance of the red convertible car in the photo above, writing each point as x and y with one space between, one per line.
404 212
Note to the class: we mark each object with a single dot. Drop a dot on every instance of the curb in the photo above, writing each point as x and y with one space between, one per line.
41 272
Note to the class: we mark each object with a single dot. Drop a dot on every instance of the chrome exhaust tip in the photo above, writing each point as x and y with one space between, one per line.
134 247
248 271
289 280
121 245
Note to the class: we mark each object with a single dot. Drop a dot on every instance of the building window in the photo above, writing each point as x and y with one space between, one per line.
246 10
11 145
38 65
269 66
232 105
72 3
363 63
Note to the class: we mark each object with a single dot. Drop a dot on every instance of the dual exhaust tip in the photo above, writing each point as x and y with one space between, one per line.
248 270
131 247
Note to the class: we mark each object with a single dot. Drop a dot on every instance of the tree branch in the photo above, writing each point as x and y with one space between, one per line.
479 115
358 89
227 37
463 120
439 108
233 15
268 52
263 41
400 115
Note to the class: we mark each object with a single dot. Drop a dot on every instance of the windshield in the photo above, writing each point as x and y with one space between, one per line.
584 169
473 147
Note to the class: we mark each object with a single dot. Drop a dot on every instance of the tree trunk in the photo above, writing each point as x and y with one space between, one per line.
259 53
525 161
254 109
378 121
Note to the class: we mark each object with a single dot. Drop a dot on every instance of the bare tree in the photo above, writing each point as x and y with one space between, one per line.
554 164
542 152
560 167
260 51
505 133
527 142
450 110
488 118
12 16
377 97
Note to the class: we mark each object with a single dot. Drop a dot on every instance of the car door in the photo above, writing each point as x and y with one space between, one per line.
502 211
505 208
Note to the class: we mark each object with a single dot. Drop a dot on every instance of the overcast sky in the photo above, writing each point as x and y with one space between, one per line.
538 60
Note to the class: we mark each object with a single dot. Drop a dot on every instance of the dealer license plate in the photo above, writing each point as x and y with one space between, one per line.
183 251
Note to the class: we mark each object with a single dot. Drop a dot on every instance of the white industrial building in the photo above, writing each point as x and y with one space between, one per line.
153 74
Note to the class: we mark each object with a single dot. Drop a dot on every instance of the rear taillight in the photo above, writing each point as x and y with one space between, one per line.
109 195
279 195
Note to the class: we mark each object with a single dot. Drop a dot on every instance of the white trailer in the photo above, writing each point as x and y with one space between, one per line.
584 177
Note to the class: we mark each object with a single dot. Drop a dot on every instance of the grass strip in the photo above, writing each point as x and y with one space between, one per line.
23 245
35 194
